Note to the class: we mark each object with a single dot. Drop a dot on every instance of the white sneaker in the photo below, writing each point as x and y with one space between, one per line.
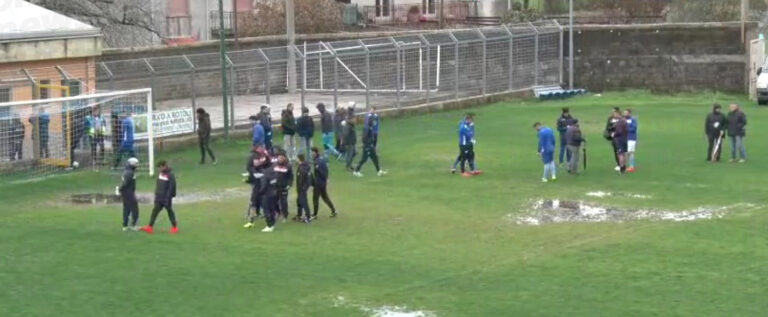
268 229
248 225
553 178
617 168
358 174
544 180
382 173
135 228
125 229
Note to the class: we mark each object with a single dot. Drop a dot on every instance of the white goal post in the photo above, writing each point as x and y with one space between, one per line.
45 136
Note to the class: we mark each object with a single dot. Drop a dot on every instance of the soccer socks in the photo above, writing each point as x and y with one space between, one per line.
632 160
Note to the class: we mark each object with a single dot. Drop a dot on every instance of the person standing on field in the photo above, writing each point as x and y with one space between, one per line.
326 125
737 121
96 132
165 191
269 197
610 127
284 172
204 135
574 140
258 132
320 184
369 151
349 141
631 139
126 140
303 182
265 119
338 117
467 146
288 123
546 149
127 191
620 140
306 131
563 123
714 127
257 162
17 132
372 118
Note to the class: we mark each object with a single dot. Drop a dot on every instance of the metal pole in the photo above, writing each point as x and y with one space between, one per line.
536 56
511 55
234 24
290 34
223 65
442 14
561 50
266 80
150 134
193 92
232 84
151 74
429 68
367 75
36 124
397 75
744 10
485 61
335 81
570 45
303 74
455 65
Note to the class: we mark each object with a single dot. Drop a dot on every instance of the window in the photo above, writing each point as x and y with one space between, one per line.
74 86
428 6
5 94
45 92
382 8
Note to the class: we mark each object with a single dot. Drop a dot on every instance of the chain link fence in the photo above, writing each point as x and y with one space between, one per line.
389 72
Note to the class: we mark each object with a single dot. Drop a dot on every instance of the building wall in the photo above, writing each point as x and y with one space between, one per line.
83 69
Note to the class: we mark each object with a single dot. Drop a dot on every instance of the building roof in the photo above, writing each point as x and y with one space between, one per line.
24 21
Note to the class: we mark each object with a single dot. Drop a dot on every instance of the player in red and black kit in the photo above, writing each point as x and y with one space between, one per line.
620 138
257 162
284 173
165 191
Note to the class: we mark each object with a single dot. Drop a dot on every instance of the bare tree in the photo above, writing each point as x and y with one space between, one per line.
123 22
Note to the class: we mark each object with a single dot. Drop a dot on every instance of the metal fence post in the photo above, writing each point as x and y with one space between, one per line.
303 71
455 65
266 80
192 90
511 55
109 73
429 62
561 48
36 123
485 61
397 75
335 81
151 79
367 75
536 56
232 87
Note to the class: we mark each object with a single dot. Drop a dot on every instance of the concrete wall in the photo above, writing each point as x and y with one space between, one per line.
49 49
663 58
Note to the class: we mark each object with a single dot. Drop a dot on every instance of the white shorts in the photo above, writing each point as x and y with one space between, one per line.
631 146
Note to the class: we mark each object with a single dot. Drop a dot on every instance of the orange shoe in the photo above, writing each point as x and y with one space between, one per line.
477 172
147 229
631 170
466 174
174 230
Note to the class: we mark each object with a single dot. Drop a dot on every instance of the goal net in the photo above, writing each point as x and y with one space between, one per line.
85 132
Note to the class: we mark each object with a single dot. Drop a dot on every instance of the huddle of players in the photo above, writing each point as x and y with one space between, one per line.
621 130
165 191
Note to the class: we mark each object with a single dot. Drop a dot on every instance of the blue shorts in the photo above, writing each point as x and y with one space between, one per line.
548 157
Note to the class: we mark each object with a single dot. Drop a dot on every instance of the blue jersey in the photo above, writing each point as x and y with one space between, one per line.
258 135
128 130
466 133
632 129
546 140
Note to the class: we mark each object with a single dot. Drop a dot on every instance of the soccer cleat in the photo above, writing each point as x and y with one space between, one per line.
358 174
466 174
742 160
334 214
382 173
631 170
314 217
453 171
174 230
125 229
135 228
544 180
617 168
477 172
215 162
306 220
554 178
268 229
148 229
248 225
731 161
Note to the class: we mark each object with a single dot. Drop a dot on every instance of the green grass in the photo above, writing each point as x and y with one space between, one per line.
419 237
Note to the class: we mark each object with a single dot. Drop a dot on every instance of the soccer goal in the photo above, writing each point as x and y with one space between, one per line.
43 137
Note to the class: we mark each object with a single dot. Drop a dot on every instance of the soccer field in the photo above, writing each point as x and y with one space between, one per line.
418 240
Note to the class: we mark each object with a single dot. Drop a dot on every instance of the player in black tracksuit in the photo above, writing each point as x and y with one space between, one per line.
303 182
714 127
369 150
268 192
320 184
165 191
257 162
610 127
284 182
127 191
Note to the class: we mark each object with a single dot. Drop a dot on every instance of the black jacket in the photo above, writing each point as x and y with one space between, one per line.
349 134
17 131
303 177
620 131
715 124
573 136
268 184
369 138
165 188
128 186
326 122
204 125
288 122
320 176
563 122
306 127
610 126
737 120
266 122
255 173
284 177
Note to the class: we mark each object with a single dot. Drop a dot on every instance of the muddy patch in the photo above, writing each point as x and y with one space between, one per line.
383 311
148 198
547 211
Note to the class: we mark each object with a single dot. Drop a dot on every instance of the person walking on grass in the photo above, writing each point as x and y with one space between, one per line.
326 126
610 127
338 117
284 172
306 130
631 139
737 121
288 123
563 123
369 151
257 162
165 191
127 191
269 197
349 141
204 135
126 140
620 140
320 184
546 149
714 127
573 140
303 182
374 117
466 147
